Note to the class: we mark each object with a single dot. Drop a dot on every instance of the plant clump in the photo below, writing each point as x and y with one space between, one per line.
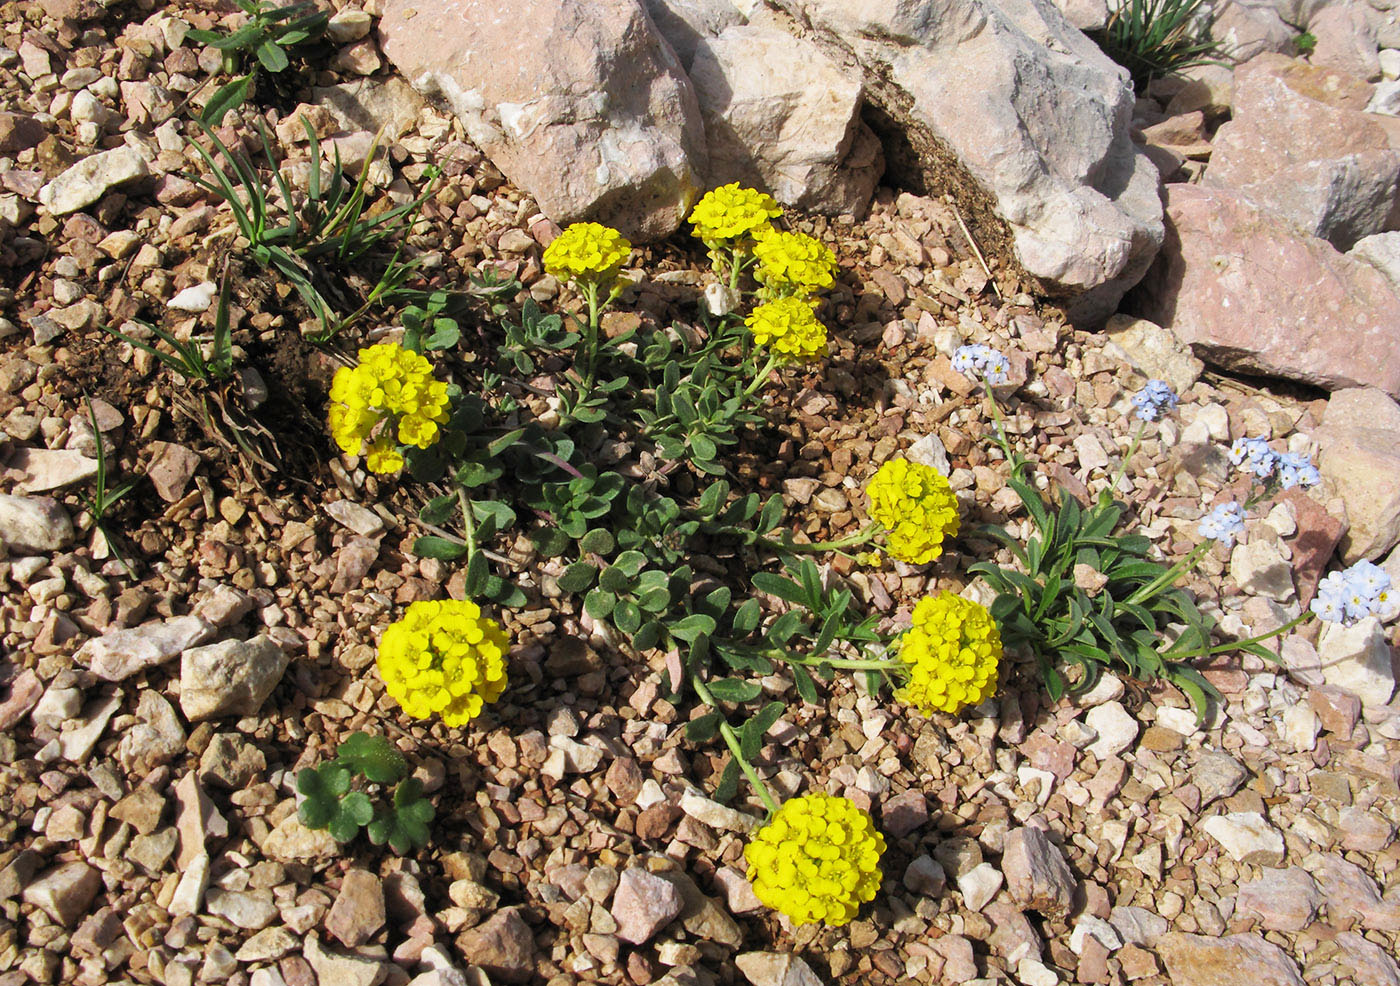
444 658
817 859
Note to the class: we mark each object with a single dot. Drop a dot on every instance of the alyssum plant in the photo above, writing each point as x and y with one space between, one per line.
516 457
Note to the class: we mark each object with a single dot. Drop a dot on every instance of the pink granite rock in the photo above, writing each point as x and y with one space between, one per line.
583 105
1300 146
1238 960
1249 293
1281 900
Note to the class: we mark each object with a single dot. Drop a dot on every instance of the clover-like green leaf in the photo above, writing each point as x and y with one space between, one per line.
373 758
353 811
405 825
321 788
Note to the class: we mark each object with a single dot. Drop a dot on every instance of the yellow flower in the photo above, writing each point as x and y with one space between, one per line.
587 252
391 385
729 212
444 657
952 652
817 860
790 327
916 506
793 263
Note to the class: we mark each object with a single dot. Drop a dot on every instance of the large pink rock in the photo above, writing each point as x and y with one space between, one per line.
1248 292
1300 145
581 104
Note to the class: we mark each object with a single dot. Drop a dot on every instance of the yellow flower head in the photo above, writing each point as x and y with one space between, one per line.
587 252
793 263
444 657
790 327
729 212
916 506
952 653
817 860
394 385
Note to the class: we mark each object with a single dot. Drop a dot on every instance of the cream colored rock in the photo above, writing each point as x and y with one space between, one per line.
1359 458
1357 658
1154 351
782 116
581 104
1021 117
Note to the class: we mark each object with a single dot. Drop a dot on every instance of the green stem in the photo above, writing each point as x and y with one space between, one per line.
1237 644
468 522
736 750
1132 450
1003 440
849 541
842 663
761 377
1171 574
590 292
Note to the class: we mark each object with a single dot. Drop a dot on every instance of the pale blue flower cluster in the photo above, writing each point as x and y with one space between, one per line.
1351 595
982 361
1223 524
1255 456
1154 400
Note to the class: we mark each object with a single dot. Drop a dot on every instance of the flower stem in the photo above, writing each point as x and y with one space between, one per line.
468 522
849 541
1003 440
736 750
1132 450
1171 574
590 292
1237 644
761 376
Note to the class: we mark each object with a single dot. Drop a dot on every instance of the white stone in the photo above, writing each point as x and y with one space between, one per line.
1357 658
195 298
119 654
1300 727
979 885
1259 569
716 815
348 25
1390 63
33 525
782 116
1089 926
1116 729
91 178
232 677
1247 837
1008 98
1181 721
1109 688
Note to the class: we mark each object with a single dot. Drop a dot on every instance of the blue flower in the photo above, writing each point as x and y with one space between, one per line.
1155 399
1296 470
1223 524
1353 594
984 361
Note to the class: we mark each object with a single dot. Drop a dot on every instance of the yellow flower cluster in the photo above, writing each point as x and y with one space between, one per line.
444 657
952 653
817 860
729 212
790 327
793 263
394 385
916 506
587 252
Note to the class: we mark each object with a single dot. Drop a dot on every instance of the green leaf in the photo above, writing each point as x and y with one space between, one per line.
229 97
405 825
692 626
627 616
373 757
631 562
713 498
578 577
752 732
735 690
273 58
783 588
438 509
597 541
705 728
806 687
354 811
772 514
613 579
478 571
747 618
550 541
728 785
648 636
599 604
492 516
439 548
